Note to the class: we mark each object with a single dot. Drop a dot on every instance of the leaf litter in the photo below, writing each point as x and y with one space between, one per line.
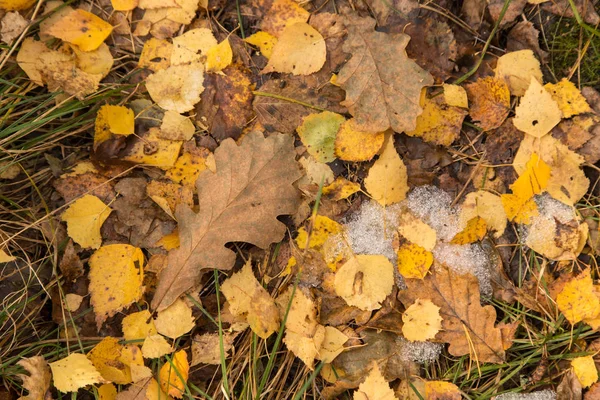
216 162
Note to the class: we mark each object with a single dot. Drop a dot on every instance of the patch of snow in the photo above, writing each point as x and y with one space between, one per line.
433 206
469 258
419 352
539 395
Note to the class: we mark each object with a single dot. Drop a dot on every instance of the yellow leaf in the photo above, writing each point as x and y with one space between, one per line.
333 344
557 240
116 275
455 95
106 357
322 228
318 132
124 5
365 281
16 5
188 167
473 232
518 68
5 257
248 298
315 173
422 321
341 189
300 50
111 120
374 387
163 152
175 126
170 195
138 325
577 300
352 144
537 112
84 218
192 46
170 241
173 375
38 381
156 55
570 100
435 390
82 29
154 391
73 301
490 102
96 62
487 206
387 180
175 320
413 261
74 372
416 231
264 41
219 57
108 391
585 370
178 87
155 346
518 210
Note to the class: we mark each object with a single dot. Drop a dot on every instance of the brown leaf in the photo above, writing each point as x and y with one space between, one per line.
515 8
382 84
563 8
569 388
37 382
240 202
466 326
490 102
70 264
226 103
71 187
525 36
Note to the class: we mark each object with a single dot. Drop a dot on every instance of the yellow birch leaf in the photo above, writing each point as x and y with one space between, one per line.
422 321
300 50
154 391
178 87
570 100
116 276
322 228
318 132
108 391
74 372
16 5
38 381
416 231
124 5
455 95
518 210
170 241
81 28
193 46
487 206
352 144
440 390
333 344
365 281
518 68
175 126
169 195
84 219
585 370
5 257
97 62
175 320
387 180
577 299
340 189
28 57
164 154
106 357
374 387
138 325
111 120
473 232
537 112
173 375
156 55
264 41
188 167
219 57
155 346
413 261
73 301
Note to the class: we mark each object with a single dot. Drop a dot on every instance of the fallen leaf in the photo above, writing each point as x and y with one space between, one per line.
112 120
560 241
206 348
38 381
577 299
192 46
97 62
116 275
416 231
474 231
138 325
175 126
585 370
248 298
413 260
73 301
84 217
175 320
352 144
173 375
264 41
219 57
486 205
300 50
156 55
569 99
422 321
315 173
375 95
124 5
155 346
340 189
150 149
108 391
440 390
260 171
365 281
74 372
318 134
70 264
12 25
280 14
537 112
188 167
106 357
81 28
16 5
333 344
178 87
524 35
170 195
518 68
490 102
387 180
466 325
374 387
455 95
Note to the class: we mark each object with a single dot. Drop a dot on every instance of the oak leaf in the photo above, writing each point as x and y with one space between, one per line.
38 380
466 325
240 202
382 84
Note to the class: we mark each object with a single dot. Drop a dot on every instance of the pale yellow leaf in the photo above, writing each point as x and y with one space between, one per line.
416 231
37 382
164 153
375 387
155 346
568 97
333 344
178 87
175 320
518 68
206 348
487 206
387 180
74 372
537 112
422 321
192 46
73 301
175 126
84 218
455 95
108 391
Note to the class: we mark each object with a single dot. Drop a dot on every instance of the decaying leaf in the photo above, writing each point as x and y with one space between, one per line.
352 144
37 382
279 14
440 390
84 219
12 25
569 99
466 325
490 102
175 320
156 55
109 359
422 321
259 172
375 95
486 205
473 232
340 189
173 375
178 87
74 372
387 181
150 149
206 348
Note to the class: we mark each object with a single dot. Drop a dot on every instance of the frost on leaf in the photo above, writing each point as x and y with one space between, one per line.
240 202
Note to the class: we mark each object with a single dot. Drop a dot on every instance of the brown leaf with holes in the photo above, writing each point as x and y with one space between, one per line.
239 203
466 325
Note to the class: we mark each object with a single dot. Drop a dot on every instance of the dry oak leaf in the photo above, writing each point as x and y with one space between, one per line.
84 219
585 370
490 102
569 98
537 112
387 180
240 202
466 326
74 372
577 300
517 68
383 86
37 382
116 276
173 375
175 320
375 387
81 28
422 321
